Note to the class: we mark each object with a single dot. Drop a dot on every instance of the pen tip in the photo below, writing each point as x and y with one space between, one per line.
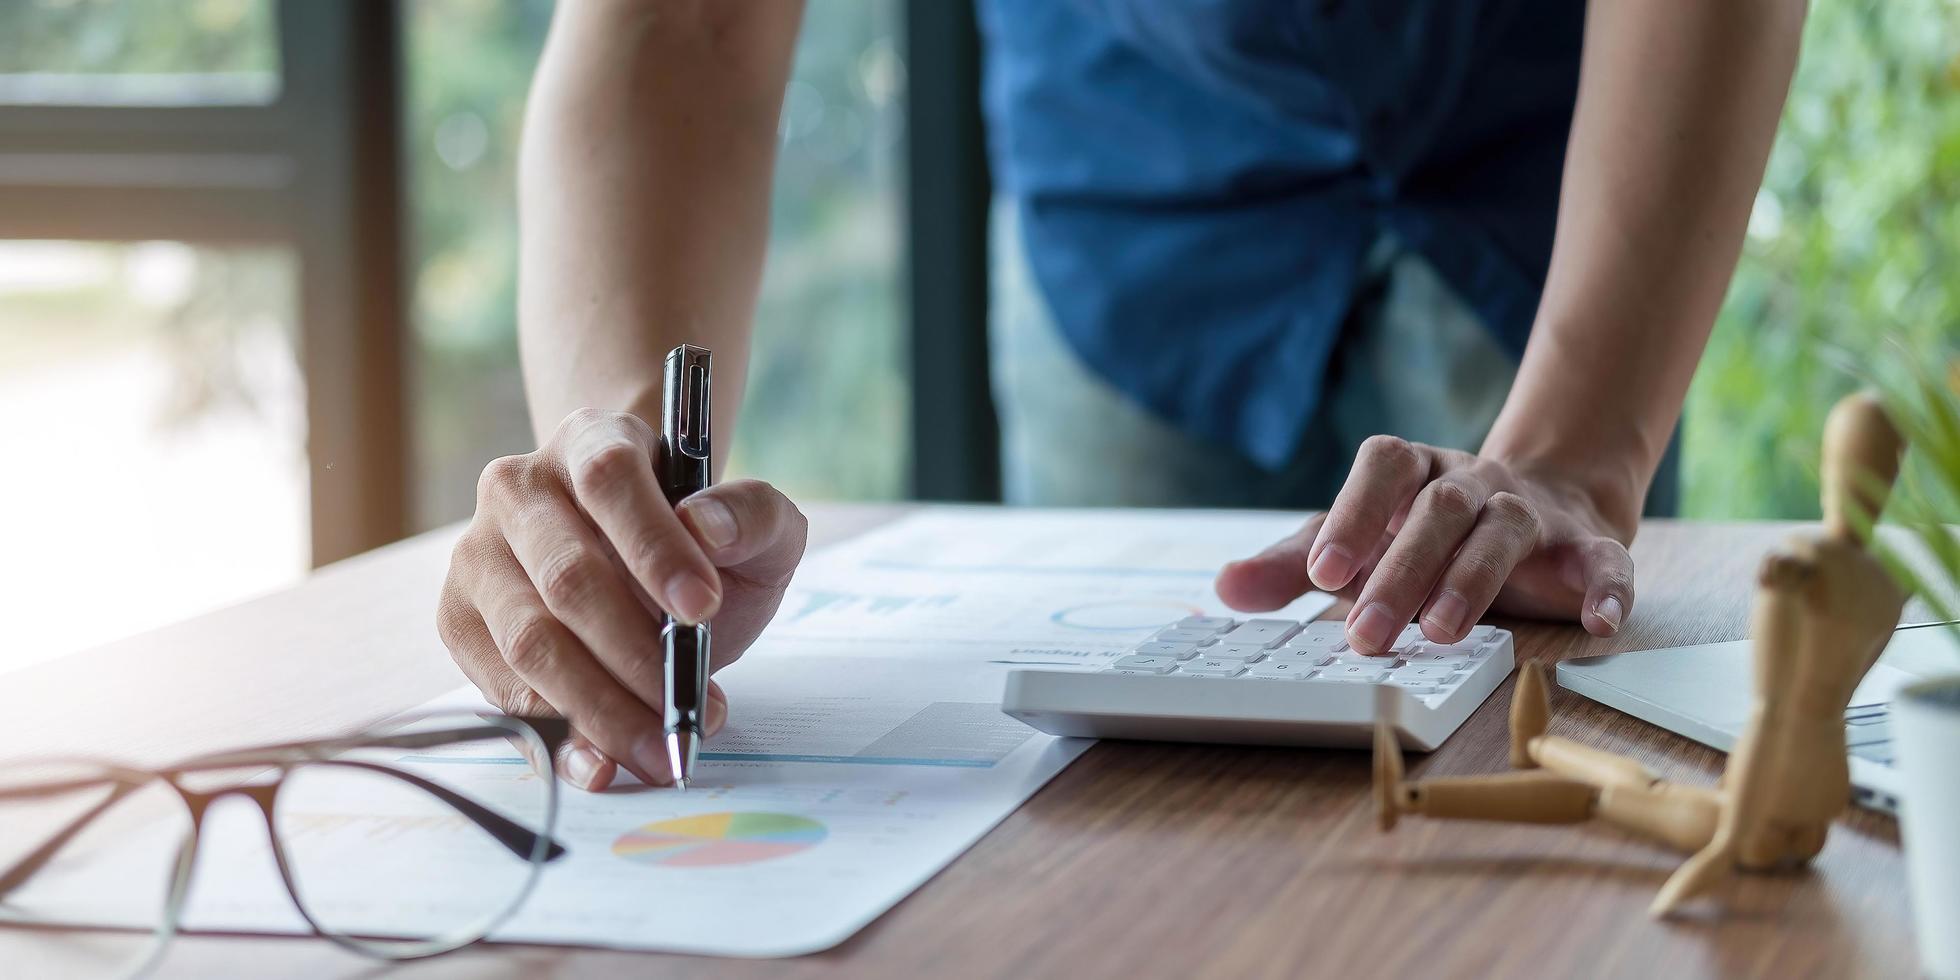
683 749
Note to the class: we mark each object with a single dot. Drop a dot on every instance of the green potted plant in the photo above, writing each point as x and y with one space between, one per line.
1924 554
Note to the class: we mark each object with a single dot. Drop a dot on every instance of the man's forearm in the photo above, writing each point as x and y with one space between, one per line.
648 148
1678 104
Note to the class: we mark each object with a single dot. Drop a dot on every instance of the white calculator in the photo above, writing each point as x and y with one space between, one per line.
1267 682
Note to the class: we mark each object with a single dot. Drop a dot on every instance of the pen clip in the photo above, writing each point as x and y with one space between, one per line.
689 403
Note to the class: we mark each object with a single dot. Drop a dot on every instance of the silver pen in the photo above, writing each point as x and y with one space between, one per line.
686 466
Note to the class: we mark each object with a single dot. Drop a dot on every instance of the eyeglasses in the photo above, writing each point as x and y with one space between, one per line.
103 844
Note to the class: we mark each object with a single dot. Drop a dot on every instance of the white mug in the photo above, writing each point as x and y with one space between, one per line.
1926 736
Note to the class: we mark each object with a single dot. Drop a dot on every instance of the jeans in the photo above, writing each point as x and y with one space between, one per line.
1413 361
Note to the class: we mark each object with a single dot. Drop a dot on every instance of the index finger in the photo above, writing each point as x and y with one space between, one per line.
611 471
1387 474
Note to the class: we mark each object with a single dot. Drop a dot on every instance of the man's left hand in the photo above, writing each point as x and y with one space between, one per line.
1440 536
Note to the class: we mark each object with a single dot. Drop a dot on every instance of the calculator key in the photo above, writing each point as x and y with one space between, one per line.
1359 673
1175 635
1463 649
1262 632
1402 678
1357 658
1210 660
1235 651
1309 658
1213 668
1245 661
1318 635
1432 656
1481 634
1203 624
1175 651
1331 675
1280 670
1428 673
1182 636
1419 690
1162 665
1133 671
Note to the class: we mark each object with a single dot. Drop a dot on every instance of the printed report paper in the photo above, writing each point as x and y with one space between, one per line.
865 748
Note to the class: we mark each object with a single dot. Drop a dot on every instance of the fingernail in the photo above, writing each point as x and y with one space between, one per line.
711 520
690 598
650 755
1372 629
1332 568
1448 612
580 764
1609 612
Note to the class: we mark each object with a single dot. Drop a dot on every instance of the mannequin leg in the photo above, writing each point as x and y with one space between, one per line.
1531 711
1532 796
1681 817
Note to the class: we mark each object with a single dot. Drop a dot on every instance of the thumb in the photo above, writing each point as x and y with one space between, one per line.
1273 577
1604 570
715 712
747 526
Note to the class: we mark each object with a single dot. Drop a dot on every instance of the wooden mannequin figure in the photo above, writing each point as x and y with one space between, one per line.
1824 609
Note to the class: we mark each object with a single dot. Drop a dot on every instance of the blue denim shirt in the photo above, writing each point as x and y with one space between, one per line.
1200 180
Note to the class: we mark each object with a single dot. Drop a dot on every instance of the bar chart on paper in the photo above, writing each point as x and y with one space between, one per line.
814 606
1020 587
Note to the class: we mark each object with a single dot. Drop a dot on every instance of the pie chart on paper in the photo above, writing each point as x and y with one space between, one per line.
719 839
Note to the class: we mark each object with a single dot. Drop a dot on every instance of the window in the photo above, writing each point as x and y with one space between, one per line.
182 213
1852 246
154 419
829 323
138 52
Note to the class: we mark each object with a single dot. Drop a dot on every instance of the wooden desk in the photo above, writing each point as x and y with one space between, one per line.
1141 860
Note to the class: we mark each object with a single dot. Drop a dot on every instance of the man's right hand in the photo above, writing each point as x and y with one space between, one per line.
552 593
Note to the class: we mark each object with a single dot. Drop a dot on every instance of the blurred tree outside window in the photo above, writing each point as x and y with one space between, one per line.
155 424
138 52
150 395
1854 244
825 412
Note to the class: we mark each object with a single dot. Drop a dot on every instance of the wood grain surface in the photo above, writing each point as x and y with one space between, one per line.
1141 860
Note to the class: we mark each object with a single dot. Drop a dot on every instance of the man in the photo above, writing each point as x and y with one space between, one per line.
1239 243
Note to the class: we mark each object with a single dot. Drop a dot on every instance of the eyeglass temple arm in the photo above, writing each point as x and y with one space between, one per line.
27 866
519 840
514 836
553 732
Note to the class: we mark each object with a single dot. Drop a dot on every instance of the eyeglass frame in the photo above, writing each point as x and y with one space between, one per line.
537 847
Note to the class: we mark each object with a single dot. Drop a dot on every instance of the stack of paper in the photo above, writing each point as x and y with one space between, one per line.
865 748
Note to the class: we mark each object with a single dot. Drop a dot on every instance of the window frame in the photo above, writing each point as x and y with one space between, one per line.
955 432
318 171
